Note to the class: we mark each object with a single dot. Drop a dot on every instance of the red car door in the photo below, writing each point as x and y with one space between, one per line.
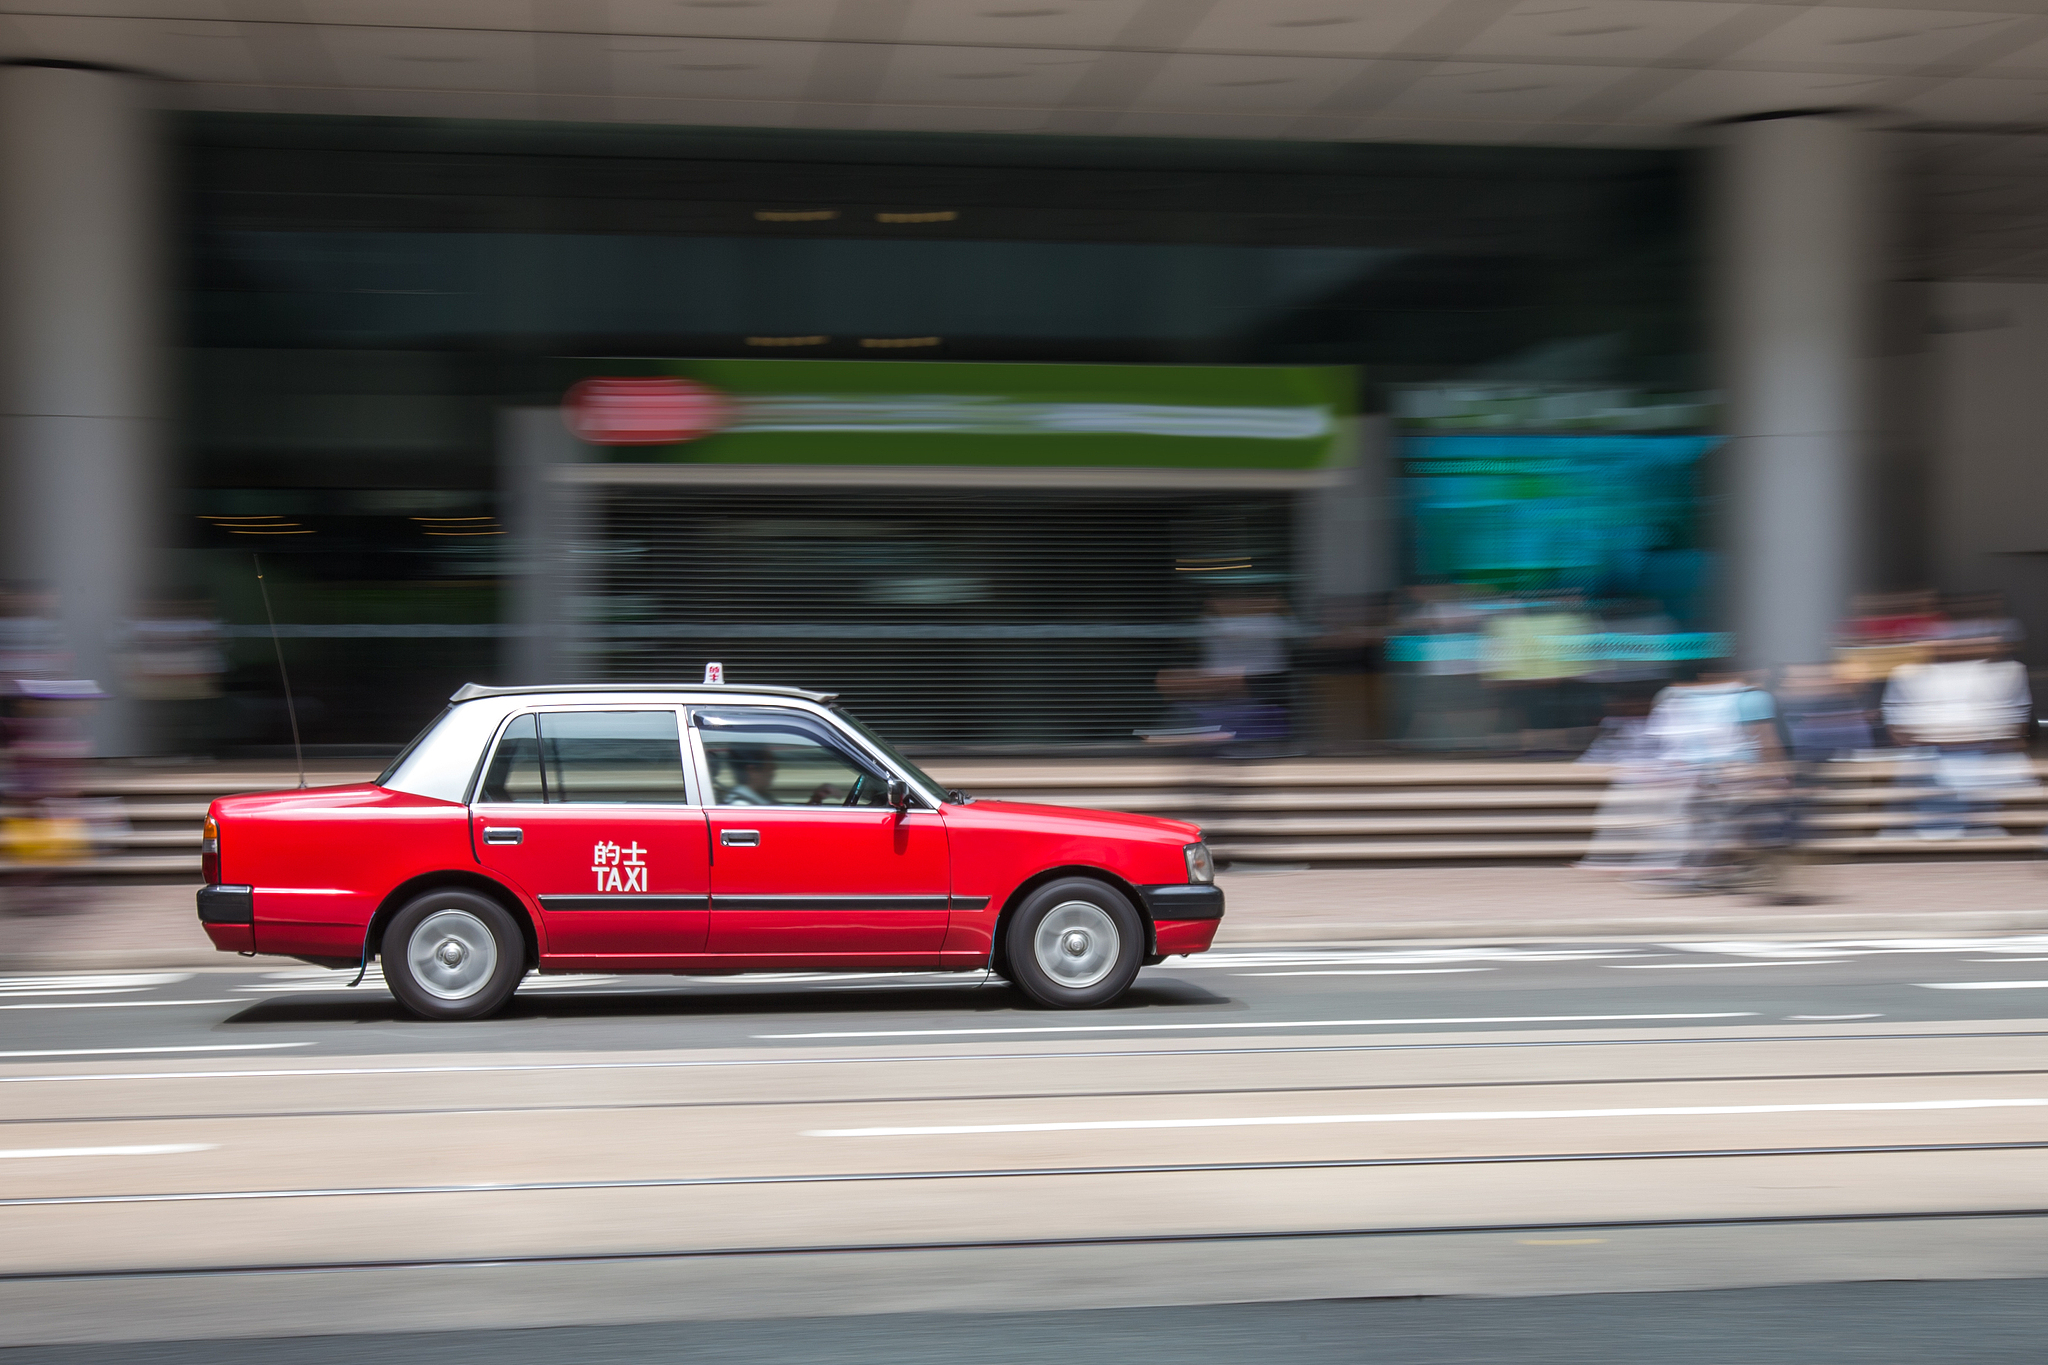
809 859
591 813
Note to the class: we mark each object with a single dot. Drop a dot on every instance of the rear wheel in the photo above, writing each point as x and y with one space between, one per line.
1075 944
453 954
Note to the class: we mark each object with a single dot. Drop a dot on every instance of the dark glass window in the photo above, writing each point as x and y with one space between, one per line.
774 758
613 756
514 773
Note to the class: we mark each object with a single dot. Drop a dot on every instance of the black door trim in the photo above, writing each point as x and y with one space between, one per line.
829 902
625 902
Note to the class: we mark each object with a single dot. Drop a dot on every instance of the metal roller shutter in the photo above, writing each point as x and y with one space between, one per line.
950 619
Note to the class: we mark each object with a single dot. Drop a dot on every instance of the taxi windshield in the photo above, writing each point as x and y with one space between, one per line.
893 754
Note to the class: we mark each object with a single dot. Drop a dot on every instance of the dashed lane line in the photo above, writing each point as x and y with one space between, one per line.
153 1149
1239 1025
130 1051
1982 985
1452 1116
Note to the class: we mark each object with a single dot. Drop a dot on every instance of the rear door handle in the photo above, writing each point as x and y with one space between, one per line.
503 834
740 838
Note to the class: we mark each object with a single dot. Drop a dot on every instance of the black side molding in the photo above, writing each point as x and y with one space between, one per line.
227 905
1183 901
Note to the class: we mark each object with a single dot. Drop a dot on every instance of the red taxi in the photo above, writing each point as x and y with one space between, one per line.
715 828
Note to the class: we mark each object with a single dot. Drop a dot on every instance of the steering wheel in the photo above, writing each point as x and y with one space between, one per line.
853 792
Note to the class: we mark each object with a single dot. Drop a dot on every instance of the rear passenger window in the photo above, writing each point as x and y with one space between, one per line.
613 756
514 774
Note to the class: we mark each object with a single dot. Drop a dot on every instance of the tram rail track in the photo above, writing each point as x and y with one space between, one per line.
1003 1173
598 1106
1134 1240
869 1059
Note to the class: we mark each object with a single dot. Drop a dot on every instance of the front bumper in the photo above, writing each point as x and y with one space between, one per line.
1182 901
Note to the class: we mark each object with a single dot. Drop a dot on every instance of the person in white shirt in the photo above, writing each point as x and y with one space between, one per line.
1963 718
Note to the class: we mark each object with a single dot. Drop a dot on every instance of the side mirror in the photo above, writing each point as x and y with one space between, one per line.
899 793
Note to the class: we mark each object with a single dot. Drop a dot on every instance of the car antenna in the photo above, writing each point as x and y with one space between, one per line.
276 644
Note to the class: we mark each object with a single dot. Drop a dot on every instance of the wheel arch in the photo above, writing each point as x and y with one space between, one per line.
999 951
403 894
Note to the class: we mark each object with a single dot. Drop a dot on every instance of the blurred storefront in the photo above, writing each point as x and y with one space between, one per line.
990 547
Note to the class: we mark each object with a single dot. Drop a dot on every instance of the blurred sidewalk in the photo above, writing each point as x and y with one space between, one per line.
155 926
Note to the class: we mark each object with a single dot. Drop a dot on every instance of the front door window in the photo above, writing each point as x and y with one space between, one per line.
809 858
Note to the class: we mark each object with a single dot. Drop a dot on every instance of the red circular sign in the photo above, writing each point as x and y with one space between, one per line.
644 412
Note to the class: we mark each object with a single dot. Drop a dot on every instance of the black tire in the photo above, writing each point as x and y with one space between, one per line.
1075 944
453 954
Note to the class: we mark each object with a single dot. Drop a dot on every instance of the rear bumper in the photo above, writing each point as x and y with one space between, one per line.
227 905
1182 901
228 914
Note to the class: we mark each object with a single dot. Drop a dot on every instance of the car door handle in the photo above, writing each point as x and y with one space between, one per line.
740 838
503 834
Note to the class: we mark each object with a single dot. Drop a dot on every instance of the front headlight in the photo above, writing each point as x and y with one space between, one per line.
1201 867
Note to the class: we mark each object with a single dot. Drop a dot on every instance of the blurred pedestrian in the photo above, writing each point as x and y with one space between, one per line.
175 664
1536 663
1715 752
1442 645
48 826
1961 720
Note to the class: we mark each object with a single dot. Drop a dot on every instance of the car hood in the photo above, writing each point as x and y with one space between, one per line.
1085 820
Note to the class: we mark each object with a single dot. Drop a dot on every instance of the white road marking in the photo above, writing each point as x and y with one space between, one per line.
1373 971
112 1051
158 1149
114 1004
1823 1018
123 980
1453 1116
1276 1023
1982 985
1708 966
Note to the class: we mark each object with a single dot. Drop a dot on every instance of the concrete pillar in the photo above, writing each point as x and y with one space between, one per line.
1799 241
543 516
82 439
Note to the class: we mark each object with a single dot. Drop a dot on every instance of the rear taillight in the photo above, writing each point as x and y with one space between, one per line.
209 852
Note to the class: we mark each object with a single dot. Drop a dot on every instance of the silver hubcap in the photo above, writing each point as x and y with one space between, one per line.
1076 944
452 954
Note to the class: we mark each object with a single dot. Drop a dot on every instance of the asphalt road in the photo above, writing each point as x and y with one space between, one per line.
714 1167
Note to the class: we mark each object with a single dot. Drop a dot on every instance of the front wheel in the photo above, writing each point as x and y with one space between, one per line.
1075 944
453 955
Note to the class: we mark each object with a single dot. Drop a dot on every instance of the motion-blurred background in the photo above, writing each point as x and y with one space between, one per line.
1061 377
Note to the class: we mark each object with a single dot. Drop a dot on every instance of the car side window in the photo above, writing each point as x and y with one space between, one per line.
514 774
763 757
613 756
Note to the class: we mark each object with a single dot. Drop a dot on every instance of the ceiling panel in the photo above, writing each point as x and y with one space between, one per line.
1972 100
432 59
1037 78
1311 27
129 9
1024 23
470 14
724 18
1609 30
1874 38
711 68
1495 91
1228 84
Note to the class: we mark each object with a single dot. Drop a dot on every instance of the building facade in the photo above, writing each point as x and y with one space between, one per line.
1735 300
